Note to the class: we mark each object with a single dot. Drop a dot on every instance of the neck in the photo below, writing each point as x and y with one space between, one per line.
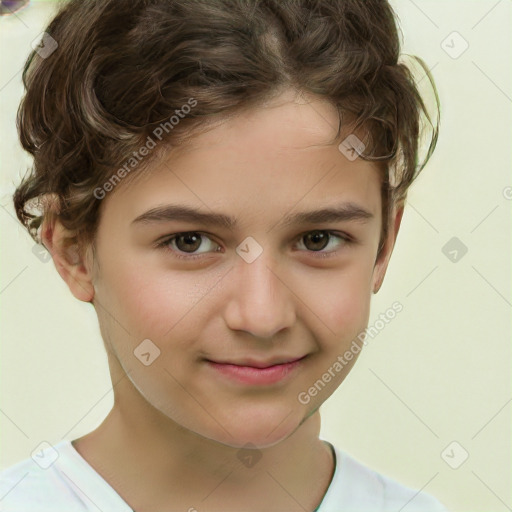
151 462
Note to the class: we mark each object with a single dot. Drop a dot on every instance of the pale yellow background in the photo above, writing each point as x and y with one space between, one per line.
439 372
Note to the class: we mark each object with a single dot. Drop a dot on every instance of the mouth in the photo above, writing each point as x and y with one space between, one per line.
258 373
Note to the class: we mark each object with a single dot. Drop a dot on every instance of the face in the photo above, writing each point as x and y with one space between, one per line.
222 304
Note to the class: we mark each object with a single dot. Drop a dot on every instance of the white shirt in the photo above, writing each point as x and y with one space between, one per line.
63 481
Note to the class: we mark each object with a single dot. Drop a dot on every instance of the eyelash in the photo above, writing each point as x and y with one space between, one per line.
164 244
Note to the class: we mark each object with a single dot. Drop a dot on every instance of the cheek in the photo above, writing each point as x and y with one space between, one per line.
151 303
340 299
133 296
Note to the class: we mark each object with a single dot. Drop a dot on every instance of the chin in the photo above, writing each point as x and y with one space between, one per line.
254 440
259 432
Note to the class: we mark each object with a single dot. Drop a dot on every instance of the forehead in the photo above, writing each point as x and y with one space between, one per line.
259 163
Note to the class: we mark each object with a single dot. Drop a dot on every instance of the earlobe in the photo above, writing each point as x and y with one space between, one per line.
70 264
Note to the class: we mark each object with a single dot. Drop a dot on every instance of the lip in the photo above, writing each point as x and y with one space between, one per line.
257 373
262 364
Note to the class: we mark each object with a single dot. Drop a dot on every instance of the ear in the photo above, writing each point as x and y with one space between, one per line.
74 267
381 265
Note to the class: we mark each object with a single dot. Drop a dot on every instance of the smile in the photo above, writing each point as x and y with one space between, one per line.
253 375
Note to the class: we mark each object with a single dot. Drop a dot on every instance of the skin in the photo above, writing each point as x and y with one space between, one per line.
173 438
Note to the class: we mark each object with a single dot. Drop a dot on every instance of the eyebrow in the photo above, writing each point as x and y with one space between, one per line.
341 213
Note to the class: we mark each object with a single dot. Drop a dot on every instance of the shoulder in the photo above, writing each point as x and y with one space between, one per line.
37 487
395 496
360 488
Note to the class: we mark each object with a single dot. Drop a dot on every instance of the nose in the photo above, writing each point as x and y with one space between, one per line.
261 301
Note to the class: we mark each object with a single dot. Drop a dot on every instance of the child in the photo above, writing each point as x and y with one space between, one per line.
277 138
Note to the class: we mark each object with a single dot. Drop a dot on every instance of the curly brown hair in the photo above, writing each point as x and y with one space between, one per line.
121 68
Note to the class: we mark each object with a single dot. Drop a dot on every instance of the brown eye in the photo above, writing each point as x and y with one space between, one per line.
185 245
316 240
188 242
